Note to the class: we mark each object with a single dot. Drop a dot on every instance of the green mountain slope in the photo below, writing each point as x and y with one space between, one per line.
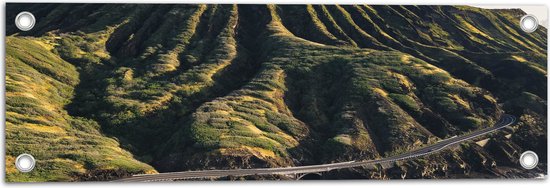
190 87
38 85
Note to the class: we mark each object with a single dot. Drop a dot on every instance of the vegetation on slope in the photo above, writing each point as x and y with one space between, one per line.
190 87
38 86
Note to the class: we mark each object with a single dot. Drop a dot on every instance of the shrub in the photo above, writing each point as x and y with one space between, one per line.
405 101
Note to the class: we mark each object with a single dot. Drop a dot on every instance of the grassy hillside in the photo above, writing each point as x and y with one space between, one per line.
190 87
38 86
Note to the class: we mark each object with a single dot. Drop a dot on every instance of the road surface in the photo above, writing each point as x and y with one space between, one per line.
504 121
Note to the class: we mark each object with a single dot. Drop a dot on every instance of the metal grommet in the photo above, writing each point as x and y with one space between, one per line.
529 160
25 162
529 23
25 21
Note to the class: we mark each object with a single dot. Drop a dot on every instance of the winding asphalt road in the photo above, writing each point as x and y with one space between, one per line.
505 120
